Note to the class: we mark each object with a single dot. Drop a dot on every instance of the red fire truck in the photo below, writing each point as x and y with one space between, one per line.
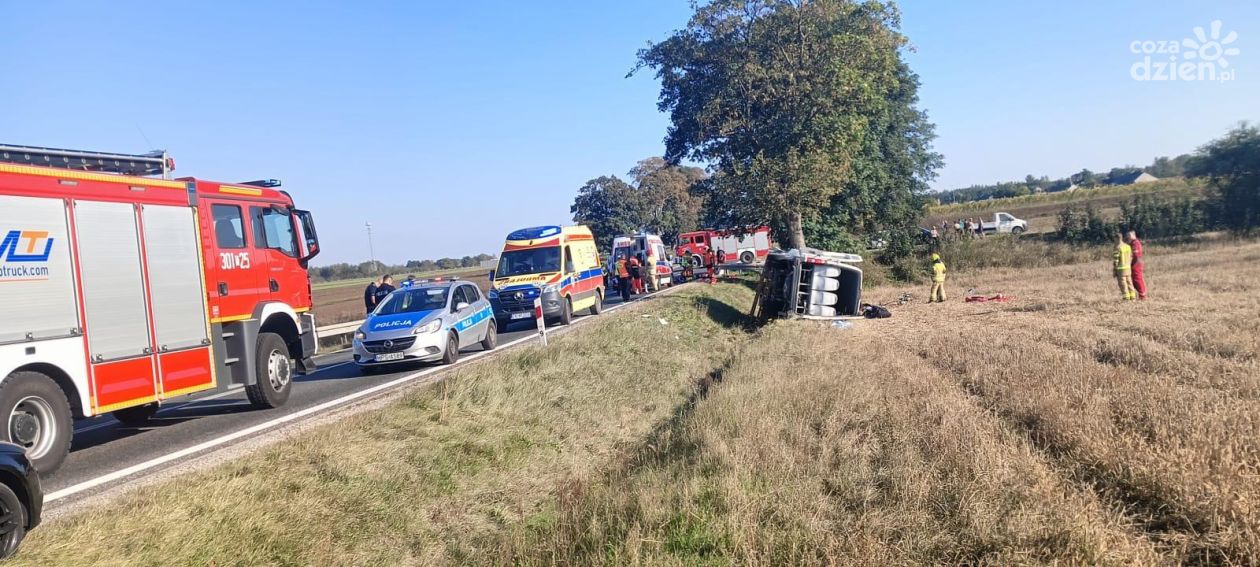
747 246
121 288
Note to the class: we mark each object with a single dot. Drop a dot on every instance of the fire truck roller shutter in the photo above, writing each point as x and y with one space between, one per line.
37 292
177 295
113 282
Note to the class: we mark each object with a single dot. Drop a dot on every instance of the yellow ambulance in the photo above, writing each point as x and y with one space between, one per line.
558 264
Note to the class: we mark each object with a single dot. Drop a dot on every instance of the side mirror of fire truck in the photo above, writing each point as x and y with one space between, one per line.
309 238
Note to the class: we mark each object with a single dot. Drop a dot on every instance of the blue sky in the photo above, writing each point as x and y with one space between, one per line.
446 125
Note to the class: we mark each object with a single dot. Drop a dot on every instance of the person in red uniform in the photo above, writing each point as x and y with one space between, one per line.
636 275
1139 265
710 262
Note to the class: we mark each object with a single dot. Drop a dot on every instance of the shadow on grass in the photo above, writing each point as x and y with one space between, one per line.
725 315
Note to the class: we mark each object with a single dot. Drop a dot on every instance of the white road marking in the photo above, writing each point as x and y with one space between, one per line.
187 451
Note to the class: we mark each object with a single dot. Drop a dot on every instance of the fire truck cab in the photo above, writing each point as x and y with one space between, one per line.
122 288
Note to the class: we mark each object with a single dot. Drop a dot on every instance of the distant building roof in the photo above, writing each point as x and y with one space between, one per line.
1134 177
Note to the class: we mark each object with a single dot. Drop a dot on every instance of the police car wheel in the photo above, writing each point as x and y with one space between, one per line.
36 416
273 373
13 525
598 306
566 312
492 337
452 350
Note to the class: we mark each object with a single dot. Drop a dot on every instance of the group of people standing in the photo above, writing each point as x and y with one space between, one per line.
376 291
1129 266
628 272
1128 263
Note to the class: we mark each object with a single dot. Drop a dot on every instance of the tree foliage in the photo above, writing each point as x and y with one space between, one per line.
777 96
1232 166
662 200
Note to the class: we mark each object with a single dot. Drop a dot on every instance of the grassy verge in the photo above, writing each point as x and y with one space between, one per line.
1029 204
433 477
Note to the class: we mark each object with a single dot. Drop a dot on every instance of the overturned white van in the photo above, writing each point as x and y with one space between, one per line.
809 283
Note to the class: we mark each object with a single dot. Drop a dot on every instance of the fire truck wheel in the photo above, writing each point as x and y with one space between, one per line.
13 528
598 306
138 415
273 373
697 260
492 337
566 312
746 257
37 417
451 355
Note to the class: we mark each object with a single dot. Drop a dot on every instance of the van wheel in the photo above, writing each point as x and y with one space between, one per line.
452 349
492 337
12 522
37 417
566 312
598 307
273 373
747 257
138 415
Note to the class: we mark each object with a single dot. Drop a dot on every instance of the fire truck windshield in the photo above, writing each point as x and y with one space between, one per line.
525 262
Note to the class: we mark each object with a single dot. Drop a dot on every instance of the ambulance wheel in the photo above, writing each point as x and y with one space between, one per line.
138 415
566 312
451 355
273 373
13 527
37 418
746 257
492 337
598 307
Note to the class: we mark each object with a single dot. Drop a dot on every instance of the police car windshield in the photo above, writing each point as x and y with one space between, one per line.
413 300
524 262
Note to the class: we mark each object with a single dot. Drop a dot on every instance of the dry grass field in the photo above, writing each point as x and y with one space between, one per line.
1066 427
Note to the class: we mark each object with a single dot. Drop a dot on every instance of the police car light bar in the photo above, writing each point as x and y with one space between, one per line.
156 162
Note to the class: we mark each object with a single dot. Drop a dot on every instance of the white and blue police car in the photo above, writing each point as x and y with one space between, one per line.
423 322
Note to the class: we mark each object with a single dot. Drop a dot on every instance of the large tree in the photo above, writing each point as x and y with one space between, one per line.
775 95
885 192
609 207
668 197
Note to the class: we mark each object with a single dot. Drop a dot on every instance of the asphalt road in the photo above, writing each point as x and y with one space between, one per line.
105 452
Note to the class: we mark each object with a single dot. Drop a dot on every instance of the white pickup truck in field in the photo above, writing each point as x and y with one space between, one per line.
1004 222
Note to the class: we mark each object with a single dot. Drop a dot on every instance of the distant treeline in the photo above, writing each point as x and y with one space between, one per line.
344 271
1162 167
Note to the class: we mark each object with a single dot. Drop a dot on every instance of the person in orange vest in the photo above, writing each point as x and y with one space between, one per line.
623 278
1139 265
1122 263
710 262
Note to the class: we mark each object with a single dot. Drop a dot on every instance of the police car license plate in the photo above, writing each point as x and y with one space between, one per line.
516 316
389 356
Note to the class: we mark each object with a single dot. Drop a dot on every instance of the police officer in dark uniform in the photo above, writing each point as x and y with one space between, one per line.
386 288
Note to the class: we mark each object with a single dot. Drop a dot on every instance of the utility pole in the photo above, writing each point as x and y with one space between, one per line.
371 248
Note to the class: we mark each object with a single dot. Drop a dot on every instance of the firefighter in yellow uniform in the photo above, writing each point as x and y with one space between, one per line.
938 280
1122 260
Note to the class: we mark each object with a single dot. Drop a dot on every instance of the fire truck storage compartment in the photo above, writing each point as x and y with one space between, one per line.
113 280
175 282
37 295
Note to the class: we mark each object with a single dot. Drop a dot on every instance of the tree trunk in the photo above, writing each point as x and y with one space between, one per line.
796 232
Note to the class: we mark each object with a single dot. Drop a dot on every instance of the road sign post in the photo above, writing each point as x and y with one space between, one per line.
542 323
